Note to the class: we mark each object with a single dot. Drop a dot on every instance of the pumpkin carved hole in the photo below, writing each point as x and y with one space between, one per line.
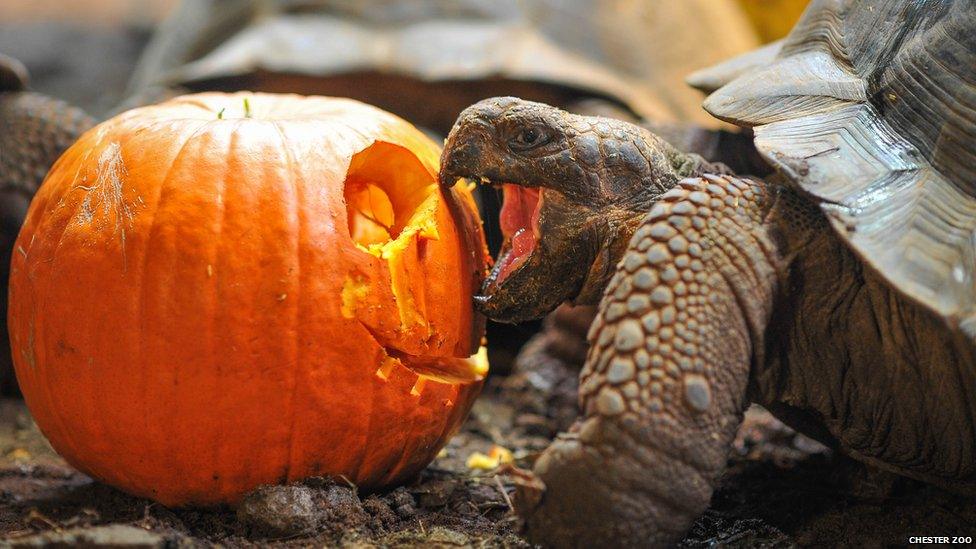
385 187
391 202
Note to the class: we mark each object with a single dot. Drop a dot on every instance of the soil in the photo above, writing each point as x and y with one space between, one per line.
782 489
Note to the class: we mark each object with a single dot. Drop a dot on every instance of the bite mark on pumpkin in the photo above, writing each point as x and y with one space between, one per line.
392 203
439 369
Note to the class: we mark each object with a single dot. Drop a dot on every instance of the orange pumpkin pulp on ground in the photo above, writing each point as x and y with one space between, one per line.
215 293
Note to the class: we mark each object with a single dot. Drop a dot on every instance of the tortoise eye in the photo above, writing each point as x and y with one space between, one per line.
528 138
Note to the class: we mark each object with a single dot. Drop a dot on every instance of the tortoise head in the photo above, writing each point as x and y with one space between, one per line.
575 188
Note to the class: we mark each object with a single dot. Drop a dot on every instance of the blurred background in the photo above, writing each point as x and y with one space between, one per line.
80 51
423 59
634 52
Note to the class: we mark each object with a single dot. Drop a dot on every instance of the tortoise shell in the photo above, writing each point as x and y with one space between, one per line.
870 108
429 60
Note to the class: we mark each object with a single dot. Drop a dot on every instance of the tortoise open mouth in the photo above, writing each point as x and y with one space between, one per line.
519 220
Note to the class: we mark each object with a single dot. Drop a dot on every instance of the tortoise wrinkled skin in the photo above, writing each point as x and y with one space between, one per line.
717 291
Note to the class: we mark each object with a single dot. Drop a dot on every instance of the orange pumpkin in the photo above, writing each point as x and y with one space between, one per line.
223 291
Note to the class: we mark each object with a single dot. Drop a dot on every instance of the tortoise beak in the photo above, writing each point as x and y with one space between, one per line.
457 162
465 151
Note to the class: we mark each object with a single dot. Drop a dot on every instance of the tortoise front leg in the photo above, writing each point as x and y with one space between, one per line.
664 386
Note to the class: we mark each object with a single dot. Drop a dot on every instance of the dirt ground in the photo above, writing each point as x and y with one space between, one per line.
782 490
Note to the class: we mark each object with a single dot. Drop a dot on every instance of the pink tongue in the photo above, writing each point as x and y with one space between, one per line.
518 210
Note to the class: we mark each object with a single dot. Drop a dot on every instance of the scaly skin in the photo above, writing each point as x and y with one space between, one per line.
664 386
729 291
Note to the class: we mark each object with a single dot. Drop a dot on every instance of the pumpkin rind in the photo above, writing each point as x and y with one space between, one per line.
180 309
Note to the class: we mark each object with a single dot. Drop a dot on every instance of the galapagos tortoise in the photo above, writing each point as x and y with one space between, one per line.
838 293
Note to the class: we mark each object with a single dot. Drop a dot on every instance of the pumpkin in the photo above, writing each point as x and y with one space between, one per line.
224 291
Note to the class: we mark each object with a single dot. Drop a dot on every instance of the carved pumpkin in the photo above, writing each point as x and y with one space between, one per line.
223 291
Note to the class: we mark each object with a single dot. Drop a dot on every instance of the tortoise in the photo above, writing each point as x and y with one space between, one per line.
838 292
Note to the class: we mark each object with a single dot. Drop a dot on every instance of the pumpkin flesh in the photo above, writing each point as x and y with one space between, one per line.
200 305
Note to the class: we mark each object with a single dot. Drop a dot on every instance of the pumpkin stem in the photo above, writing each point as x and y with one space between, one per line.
220 114
247 108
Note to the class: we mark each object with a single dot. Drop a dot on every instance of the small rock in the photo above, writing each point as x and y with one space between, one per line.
341 507
381 511
445 536
485 494
279 511
340 497
435 493
403 503
114 535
